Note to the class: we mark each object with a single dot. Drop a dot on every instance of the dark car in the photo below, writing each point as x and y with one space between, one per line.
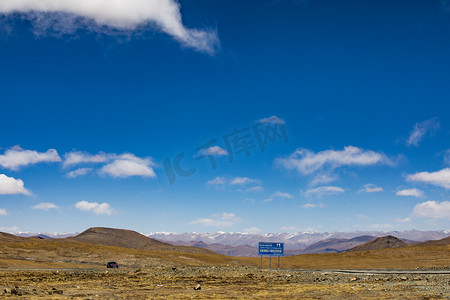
112 264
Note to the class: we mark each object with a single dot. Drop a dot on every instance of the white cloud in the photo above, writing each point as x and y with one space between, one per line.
323 178
10 186
410 192
439 178
123 165
3 212
312 205
44 206
433 209
218 181
126 165
324 190
364 217
381 226
447 155
227 216
9 229
255 189
371 188
16 157
282 195
218 220
243 180
95 207
253 230
249 200
403 220
307 162
79 157
421 130
110 17
221 182
277 194
78 172
271 120
213 151
267 200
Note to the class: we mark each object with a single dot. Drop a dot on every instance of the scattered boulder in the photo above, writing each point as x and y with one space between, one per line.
55 291
16 291
198 287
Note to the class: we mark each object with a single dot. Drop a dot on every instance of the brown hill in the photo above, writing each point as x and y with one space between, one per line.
336 245
444 241
6 237
69 253
384 242
411 257
130 239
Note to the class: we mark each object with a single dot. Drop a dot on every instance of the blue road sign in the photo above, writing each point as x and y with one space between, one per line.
274 249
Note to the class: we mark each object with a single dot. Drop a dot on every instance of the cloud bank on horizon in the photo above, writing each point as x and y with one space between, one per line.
58 17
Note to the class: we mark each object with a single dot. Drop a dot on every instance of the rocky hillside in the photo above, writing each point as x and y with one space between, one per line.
130 239
383 242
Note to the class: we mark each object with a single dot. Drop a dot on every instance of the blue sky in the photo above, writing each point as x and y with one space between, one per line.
96 98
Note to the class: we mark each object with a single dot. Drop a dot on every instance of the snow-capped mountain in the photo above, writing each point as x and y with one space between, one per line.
47 235
291 240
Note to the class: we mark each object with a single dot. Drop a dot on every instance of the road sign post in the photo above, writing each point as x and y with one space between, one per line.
271 249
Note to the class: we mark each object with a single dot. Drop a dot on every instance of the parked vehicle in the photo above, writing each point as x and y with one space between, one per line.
112 264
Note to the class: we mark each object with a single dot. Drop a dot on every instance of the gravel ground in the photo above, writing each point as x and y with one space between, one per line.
218 282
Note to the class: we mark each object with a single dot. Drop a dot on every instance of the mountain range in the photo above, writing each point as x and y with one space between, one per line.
245 244
95 246
298 240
